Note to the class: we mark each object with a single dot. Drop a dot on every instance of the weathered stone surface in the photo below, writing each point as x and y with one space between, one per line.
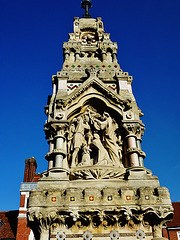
96 186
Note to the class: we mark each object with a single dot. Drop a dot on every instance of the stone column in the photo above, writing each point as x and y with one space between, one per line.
44 235
62 86
134 131
59 151
104 56
66 55
114 57
133 155
77 56
157 232
54 88
51 148
141 160
54 84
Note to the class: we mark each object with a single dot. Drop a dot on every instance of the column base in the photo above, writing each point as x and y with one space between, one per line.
44 235
60 173
159 238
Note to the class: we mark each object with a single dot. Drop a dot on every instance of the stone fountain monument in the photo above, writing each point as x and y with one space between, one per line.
96 186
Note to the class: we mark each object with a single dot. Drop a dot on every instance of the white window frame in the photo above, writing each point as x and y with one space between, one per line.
31 236
178 235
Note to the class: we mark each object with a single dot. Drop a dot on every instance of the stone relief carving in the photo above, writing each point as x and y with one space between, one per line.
79 140
99 219
93 140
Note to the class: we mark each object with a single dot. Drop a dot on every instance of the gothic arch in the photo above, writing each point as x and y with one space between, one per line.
97 101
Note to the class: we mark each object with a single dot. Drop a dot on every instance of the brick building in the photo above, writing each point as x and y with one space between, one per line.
13 224
172 231
8 224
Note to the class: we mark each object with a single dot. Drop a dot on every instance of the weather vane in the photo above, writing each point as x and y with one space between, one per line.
86 4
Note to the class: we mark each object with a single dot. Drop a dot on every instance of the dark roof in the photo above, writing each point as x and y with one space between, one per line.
9 224
176 219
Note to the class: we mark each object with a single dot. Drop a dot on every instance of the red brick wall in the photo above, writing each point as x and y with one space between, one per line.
30 169
22 201
9 229
22 231
173 235
165 233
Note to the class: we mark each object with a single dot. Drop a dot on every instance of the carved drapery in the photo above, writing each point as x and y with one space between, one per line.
94 139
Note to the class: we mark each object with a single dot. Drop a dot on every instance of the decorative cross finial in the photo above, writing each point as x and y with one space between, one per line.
86 4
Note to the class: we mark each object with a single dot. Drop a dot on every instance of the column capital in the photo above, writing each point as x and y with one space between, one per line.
135 128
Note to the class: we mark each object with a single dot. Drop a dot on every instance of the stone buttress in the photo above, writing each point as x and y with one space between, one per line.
96 186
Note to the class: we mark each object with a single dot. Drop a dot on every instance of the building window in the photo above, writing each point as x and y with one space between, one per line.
1 223
178 235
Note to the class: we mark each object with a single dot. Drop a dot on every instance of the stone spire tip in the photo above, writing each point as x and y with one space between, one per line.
86 4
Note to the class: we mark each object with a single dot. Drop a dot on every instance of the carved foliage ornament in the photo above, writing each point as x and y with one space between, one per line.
98 218
134 128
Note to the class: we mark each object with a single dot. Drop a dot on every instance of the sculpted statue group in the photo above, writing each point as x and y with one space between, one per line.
92 139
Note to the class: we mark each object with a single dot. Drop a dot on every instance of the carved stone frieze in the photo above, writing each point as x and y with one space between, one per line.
122 216
97 172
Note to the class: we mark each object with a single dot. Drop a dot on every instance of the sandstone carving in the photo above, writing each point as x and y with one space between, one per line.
92 141
96 185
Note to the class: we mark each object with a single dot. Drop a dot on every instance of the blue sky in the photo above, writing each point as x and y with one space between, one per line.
32 34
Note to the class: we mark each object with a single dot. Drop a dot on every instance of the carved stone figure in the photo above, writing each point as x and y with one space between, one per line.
70 139
86 159
78 138
109 138
96 139
103 157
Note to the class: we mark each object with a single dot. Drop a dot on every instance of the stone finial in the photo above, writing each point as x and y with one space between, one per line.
86 4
